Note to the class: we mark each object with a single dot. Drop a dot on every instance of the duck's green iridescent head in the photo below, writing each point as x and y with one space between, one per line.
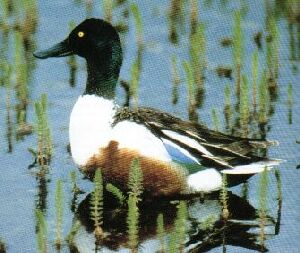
99 43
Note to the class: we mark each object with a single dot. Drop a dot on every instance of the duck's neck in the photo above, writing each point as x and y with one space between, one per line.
103 71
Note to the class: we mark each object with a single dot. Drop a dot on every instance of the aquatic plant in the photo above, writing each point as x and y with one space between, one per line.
215 119
96 205
290 102
137 64
132 223
44 150
245 191
4 6
71 61
135 180
7 82
160 231
20 68
75 190
73 176
228 107
279 199
116 192
59 203
135 190
191 89
175 19
272 53
2 246
254 70
194 17
138 24
89 6
41 231
198 53
108 10
72 233
264 99
224 197
208 223
262 209
198 61
279 185
177 237
244 106
238 48
134 82
175 79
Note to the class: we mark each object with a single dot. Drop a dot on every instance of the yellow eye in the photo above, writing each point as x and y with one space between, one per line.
80 34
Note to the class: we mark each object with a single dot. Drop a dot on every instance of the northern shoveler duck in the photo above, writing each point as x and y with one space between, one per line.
176 156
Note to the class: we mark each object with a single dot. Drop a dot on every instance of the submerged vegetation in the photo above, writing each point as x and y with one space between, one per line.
44 141
96 206
59 203
42 232
135 186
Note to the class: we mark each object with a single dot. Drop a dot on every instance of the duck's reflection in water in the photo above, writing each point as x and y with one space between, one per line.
206 227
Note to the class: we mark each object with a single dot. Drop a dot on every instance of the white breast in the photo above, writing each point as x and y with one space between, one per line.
90 126
90 130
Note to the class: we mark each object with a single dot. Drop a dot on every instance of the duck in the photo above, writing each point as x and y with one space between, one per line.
175 156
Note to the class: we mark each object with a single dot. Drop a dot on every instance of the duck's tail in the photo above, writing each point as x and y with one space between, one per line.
252 168
210 179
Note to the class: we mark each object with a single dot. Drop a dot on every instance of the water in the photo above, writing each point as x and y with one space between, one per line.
22 191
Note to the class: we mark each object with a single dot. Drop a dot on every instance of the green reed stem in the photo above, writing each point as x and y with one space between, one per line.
272 48
71 61
175 79
135 181
3 247
262 210
7 82
132 223
108 10
73 231
134 82
73 177
290 96
198 53
228 107
20 68
191 89
59 203
177 238
238 48
244 101
224 197
138 23
279 185
208 223
43 131
290 102
215 119
264 99
255 66
135 187
96 204
41 231
116 192
194 17
175 19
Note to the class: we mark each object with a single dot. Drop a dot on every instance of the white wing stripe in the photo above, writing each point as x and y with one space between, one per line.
187 141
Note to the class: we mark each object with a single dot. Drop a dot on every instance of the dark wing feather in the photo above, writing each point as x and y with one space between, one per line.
227 150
